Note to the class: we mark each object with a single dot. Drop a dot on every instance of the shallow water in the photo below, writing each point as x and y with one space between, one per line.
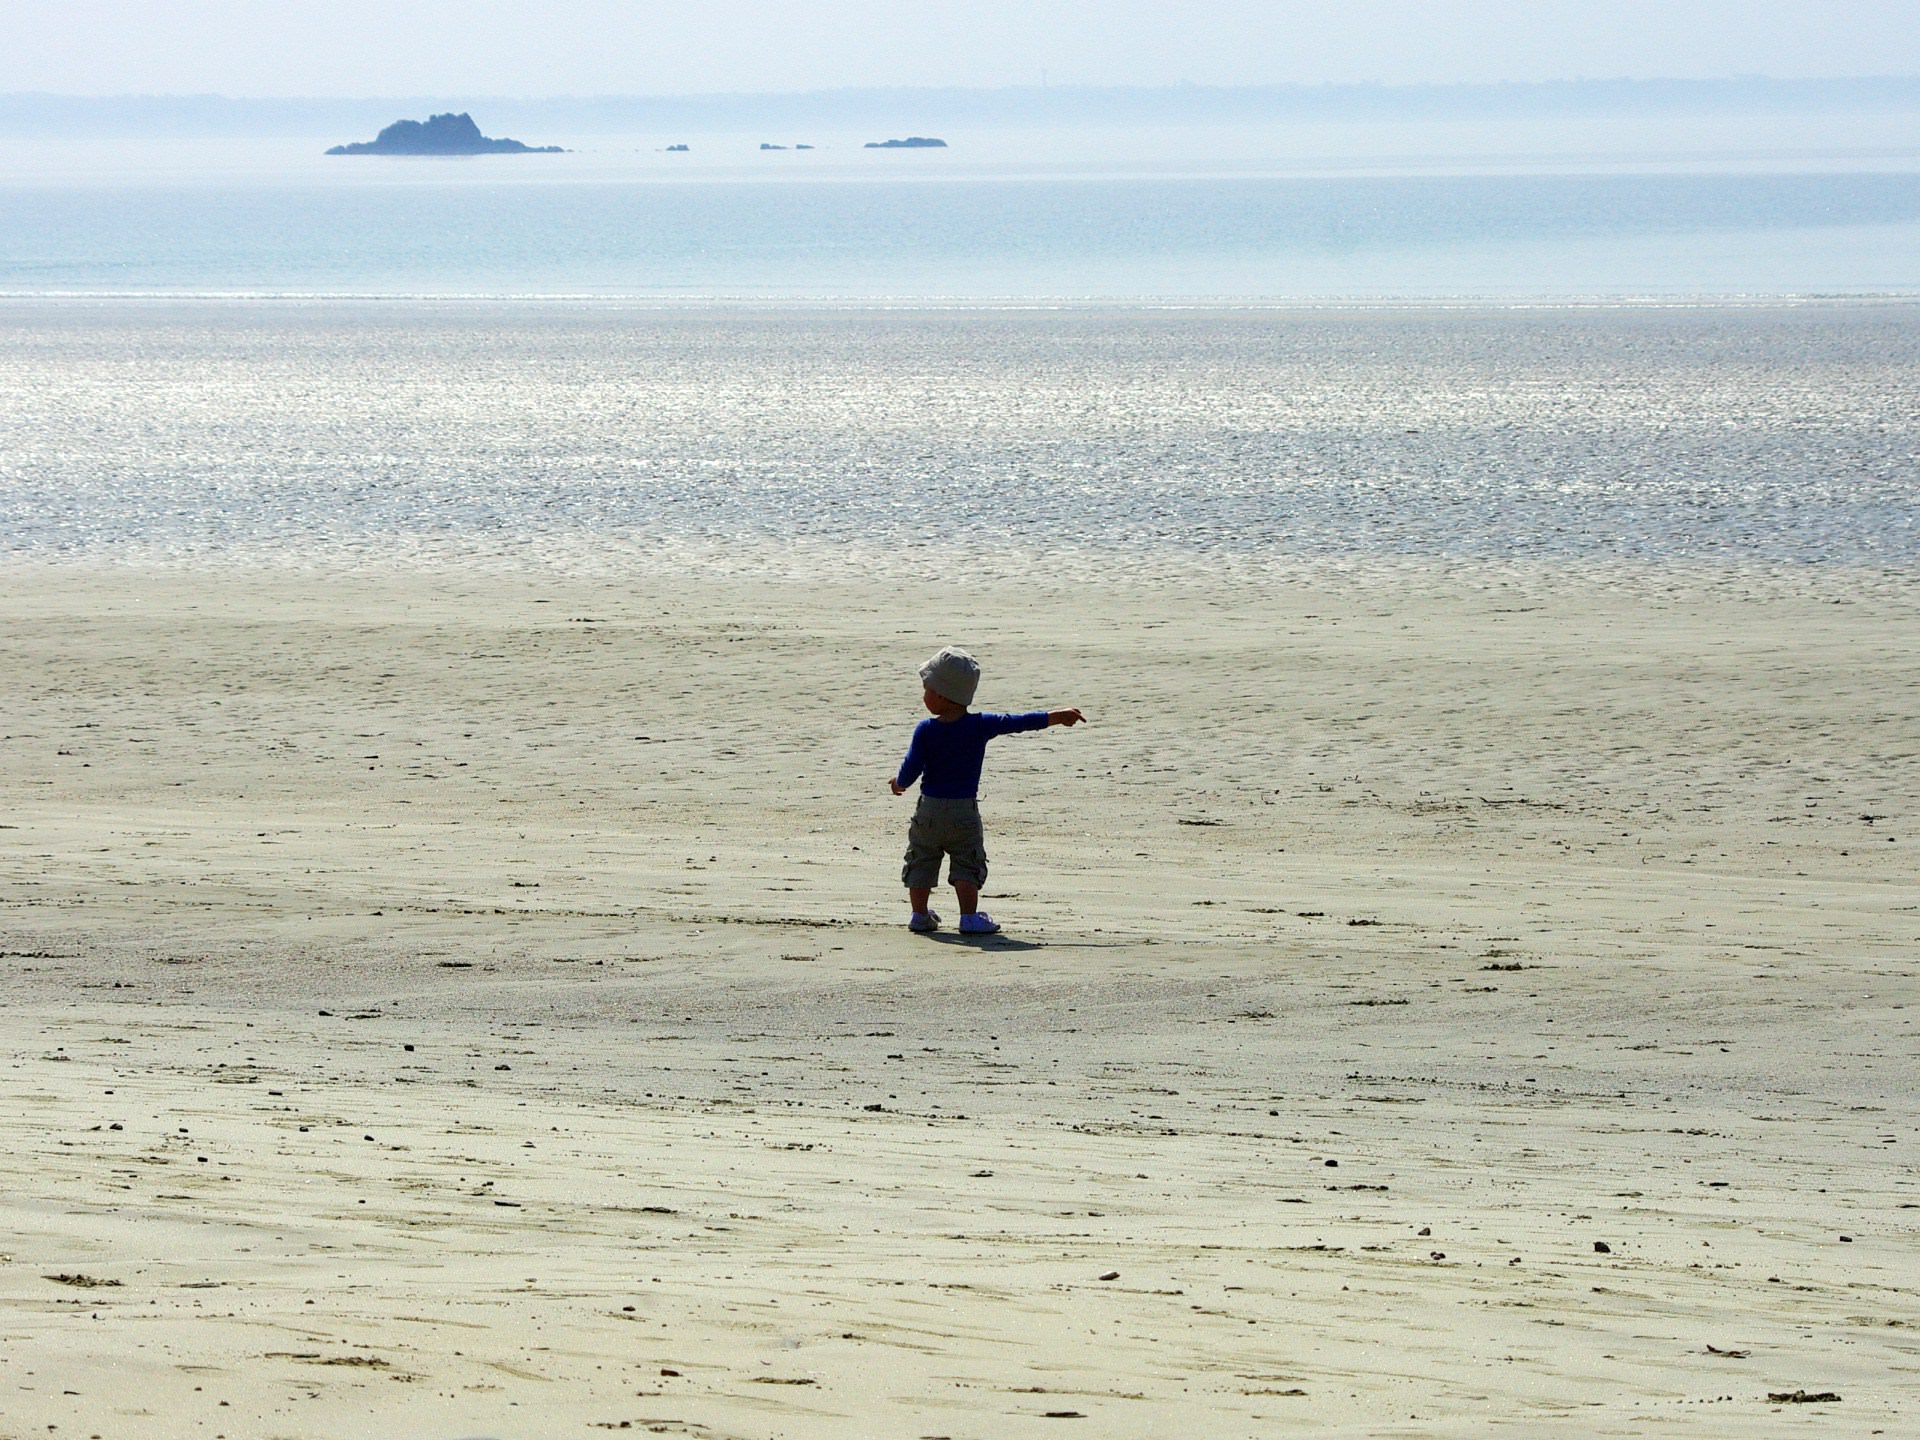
1126 238
592 437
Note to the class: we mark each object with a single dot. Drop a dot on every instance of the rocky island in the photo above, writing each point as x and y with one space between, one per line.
439 135
912 142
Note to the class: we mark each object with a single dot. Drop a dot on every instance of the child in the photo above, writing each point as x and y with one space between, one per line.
945 757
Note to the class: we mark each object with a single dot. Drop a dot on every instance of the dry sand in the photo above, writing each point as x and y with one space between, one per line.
1430 1004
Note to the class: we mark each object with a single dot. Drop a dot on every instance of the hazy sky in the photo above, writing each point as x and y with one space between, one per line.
637 47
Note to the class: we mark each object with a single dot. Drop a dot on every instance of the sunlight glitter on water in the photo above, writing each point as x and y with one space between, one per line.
587 435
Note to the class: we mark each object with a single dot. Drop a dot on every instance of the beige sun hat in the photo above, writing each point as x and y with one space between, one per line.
953 674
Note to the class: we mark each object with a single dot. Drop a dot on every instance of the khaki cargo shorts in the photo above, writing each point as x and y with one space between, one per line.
945 827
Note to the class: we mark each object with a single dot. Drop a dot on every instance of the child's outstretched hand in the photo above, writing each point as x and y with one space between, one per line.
1064 717
894 785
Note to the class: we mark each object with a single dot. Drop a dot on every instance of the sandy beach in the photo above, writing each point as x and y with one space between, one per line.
1433 1002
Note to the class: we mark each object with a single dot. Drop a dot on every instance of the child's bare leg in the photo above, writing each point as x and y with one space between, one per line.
920 898
968 896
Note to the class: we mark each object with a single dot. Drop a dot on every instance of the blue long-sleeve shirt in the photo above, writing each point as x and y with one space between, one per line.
946 755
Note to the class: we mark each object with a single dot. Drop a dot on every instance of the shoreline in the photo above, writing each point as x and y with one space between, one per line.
790 571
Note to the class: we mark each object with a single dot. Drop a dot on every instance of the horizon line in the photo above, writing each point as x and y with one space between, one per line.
1024 88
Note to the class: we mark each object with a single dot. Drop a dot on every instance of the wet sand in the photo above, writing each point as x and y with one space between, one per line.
1431 1003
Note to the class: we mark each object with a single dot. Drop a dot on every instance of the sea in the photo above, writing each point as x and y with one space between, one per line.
1232 349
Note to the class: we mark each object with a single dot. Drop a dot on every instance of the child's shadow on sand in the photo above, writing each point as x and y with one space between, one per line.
984 942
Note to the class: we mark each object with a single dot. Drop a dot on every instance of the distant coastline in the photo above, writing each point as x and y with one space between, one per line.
71 116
